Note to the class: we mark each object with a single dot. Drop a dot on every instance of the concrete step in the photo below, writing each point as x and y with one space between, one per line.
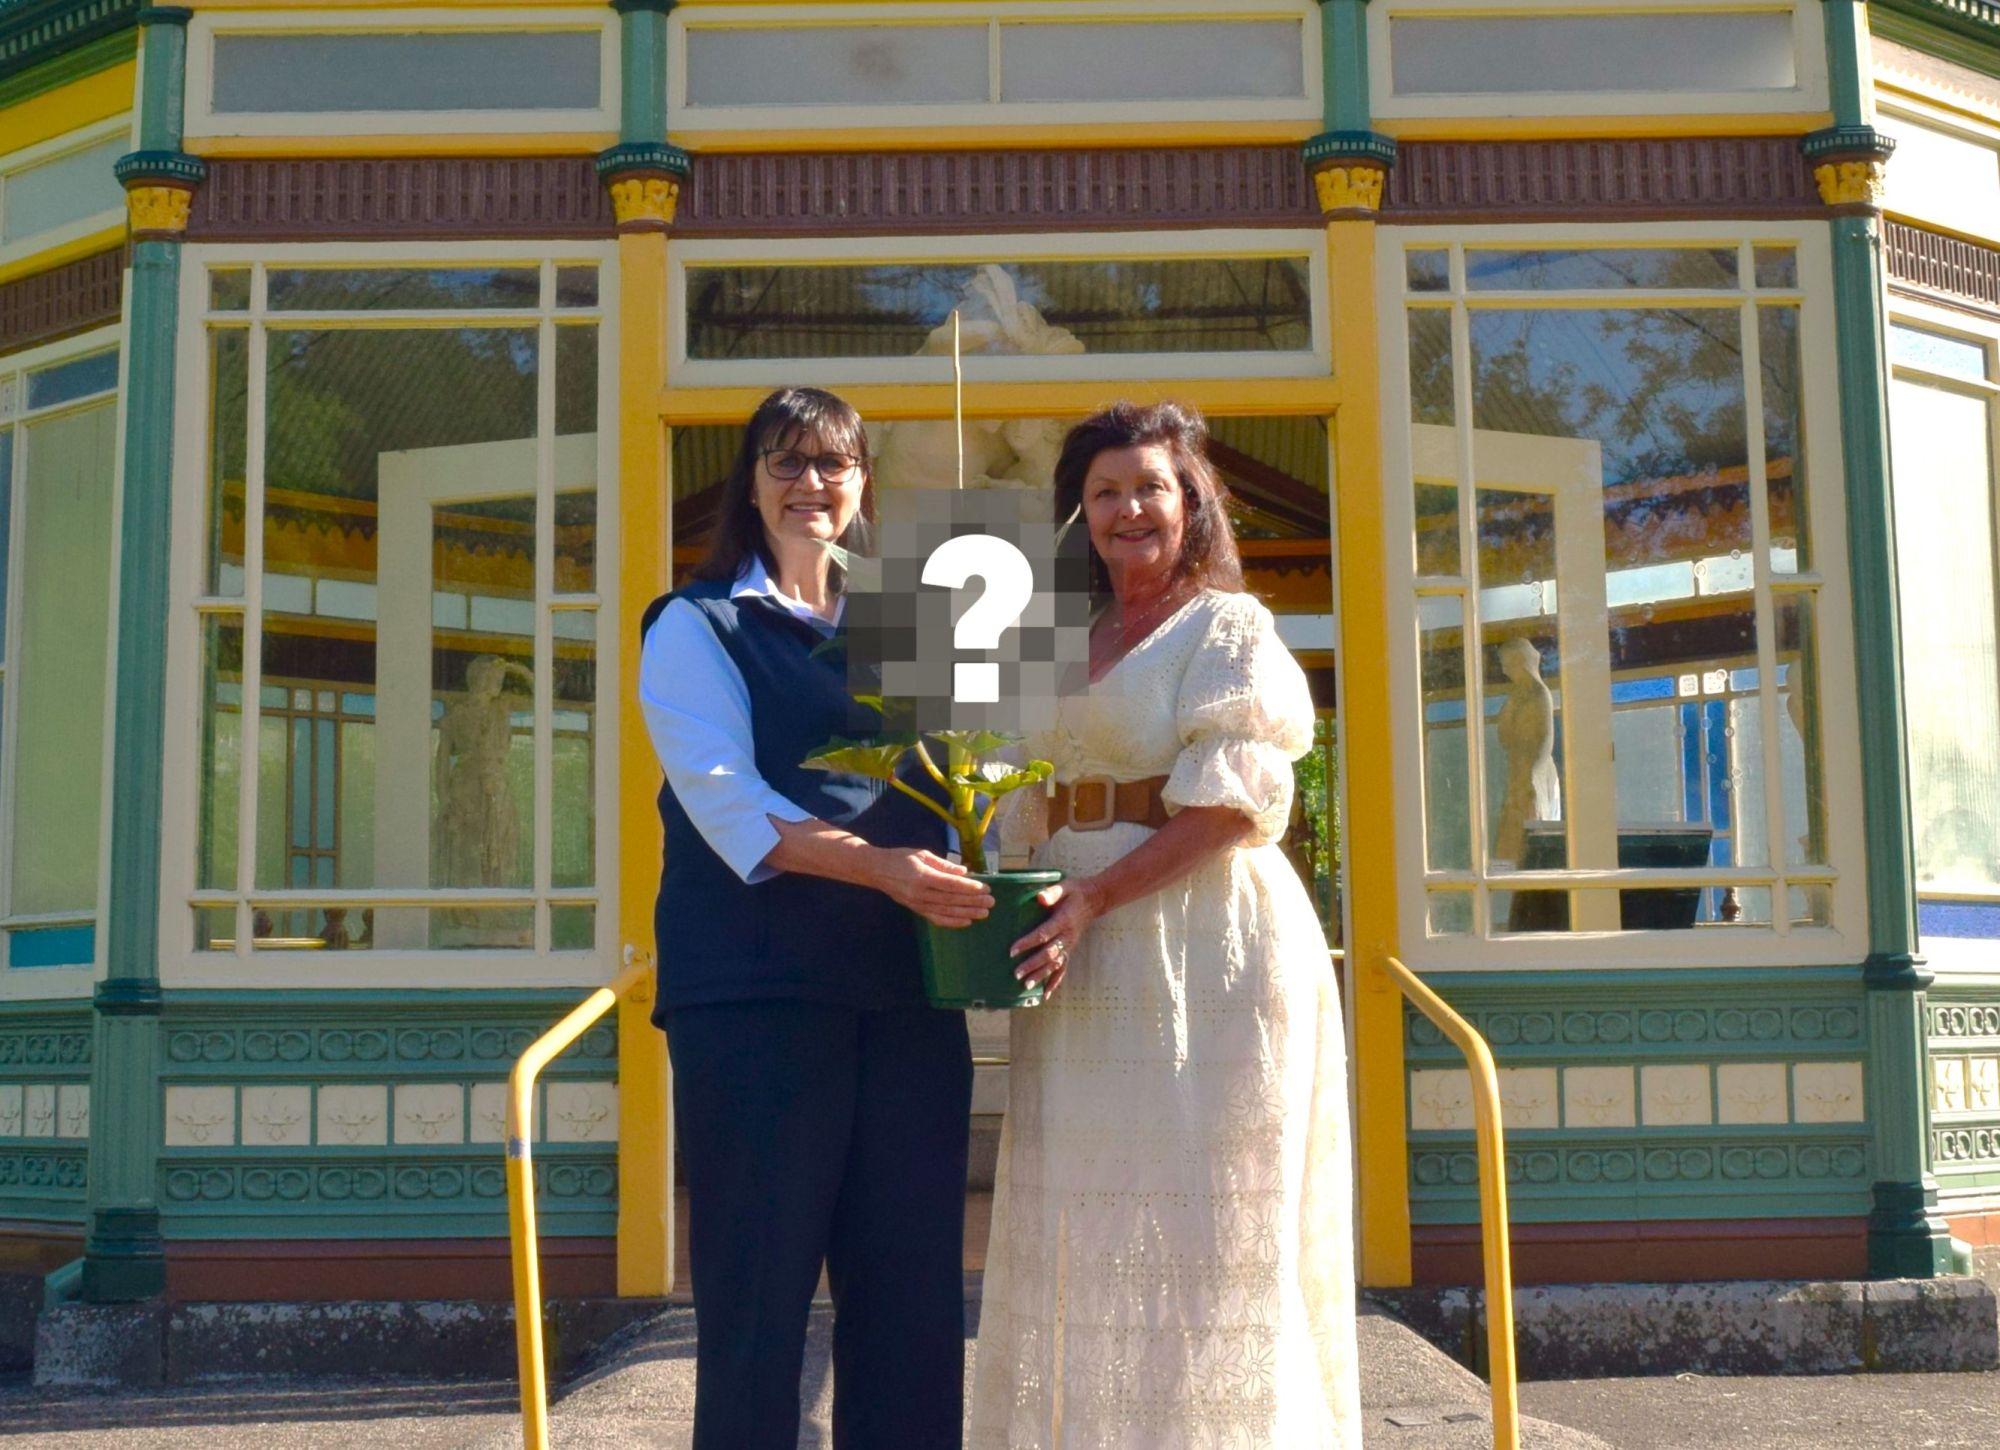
638 1393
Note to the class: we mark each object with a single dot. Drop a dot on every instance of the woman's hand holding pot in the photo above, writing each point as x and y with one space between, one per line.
938 890
1073 908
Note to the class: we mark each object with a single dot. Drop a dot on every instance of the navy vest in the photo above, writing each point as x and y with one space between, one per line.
790 935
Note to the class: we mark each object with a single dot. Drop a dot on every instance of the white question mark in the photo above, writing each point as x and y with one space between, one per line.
1010 584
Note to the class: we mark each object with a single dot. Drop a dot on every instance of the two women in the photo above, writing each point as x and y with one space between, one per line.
1169 1263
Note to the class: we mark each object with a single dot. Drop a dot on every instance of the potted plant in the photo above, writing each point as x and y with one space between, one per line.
964 966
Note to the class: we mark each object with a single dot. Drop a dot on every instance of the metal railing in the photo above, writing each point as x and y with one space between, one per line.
528 1339
1492 1198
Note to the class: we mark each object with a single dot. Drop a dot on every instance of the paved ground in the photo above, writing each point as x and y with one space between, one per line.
639 1399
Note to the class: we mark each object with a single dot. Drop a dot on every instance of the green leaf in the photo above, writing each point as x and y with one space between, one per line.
997 777
874 759
973 742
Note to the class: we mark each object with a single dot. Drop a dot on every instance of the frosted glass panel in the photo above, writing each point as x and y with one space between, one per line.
1516 55
846 65
64 190
413 71
1153 60
65 615
1943 176
1944 543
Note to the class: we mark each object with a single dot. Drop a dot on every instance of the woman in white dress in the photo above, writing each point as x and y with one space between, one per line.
1170 1262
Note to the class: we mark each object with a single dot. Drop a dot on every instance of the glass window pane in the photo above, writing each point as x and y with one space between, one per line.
1450 913
1944 176
229 398
900 309
1777 267
1593 268
845 65
1428 270
1798 730
573 796
399 538
214 928
536 70
59 673
1153 60
51 946
1516 55
576 286
1447 759
67 382
1784 438
67 189
1943 480
1937 352
342 289
572 928
221 754
1522 670
229 289
576 460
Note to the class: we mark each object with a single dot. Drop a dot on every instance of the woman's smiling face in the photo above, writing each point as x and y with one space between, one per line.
1133 504
809 505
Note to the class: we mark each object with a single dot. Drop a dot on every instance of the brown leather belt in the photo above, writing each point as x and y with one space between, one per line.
1094 802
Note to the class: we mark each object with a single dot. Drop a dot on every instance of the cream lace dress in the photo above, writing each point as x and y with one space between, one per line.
1170 1262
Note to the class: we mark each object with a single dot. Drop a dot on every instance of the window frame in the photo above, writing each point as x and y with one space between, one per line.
1984 333
1808 94
111 218
705 125
205 123
1782 943
71 980
181 965
1315 362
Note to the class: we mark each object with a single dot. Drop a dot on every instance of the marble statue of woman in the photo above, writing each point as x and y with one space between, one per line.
478 827
1527 731
921 453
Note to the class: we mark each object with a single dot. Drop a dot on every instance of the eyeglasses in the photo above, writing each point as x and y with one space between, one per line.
788 464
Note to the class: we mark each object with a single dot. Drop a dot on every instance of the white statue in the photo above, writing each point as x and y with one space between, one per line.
479 829
1527 731
921 453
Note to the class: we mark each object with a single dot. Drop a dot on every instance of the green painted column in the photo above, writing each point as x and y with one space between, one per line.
124 1257
1906 1235
1349 160
643 172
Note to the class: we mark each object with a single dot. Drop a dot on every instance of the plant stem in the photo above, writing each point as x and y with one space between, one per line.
925 801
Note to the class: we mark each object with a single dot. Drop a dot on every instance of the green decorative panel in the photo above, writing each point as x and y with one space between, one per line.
1650 1095
1962 1040
44 1109
376 1115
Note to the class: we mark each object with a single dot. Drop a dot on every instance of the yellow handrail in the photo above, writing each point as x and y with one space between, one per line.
521 1195
1492 1198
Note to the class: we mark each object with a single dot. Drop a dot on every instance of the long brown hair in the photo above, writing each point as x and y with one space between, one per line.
788 417
1208 554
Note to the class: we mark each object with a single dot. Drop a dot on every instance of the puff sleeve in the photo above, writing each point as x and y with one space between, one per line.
1244 714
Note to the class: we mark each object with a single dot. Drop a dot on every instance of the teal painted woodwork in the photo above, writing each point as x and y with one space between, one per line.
45 1056
162 77
643 72
1343 28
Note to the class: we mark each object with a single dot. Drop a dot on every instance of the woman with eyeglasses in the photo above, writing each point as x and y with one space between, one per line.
822 1104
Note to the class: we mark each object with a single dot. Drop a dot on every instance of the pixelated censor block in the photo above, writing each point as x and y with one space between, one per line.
930 646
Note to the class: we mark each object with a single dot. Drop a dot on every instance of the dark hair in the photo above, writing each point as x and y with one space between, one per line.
1208 544
789 416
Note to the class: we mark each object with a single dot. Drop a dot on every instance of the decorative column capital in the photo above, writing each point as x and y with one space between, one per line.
1349 170
1896 972
159 190
1849 164
645 179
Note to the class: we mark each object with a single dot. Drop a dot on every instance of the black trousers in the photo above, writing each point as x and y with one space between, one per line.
813 1133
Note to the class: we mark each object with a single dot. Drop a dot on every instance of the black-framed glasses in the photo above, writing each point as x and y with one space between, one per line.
789 463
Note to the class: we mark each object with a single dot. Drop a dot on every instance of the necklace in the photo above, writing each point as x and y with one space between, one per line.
1128 632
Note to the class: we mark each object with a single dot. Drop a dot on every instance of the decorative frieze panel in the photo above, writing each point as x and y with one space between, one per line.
349 1184
370 1045
71 298
1604 1098
1962 1028
1626 179
1626 1030
390 1116
1926 262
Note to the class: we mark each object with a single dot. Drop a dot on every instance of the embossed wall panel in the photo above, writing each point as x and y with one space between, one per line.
44 1110
1951 268
71 298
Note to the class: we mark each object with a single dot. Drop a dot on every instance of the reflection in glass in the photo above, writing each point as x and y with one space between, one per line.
1937 352
1798 730
1447 759
576 286
576 459
229 394
573 796
229 289
68 382
1450 913
349 928
215 928
1784 451
1942 476
342 289
1704 50
1428 269
221 760
1032 308
1777 267
1597 268
572 928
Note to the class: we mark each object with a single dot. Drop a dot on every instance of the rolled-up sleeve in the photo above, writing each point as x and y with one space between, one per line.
698 714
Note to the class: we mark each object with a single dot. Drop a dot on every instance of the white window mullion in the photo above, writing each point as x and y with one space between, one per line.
1468 573
545 585
1766 615
254 407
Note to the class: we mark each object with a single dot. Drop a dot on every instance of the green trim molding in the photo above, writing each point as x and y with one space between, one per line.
36 32
72 65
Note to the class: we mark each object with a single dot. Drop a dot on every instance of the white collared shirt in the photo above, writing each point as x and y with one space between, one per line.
698 713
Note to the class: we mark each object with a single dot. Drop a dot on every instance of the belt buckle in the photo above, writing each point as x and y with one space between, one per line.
1080 822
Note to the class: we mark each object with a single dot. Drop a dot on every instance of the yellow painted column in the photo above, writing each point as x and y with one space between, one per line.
1368 737
645 1113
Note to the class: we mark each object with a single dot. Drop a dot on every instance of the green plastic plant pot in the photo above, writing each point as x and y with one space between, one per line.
968 966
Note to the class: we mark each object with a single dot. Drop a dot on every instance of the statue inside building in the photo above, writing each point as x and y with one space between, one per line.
478 836
999 453
1527 731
